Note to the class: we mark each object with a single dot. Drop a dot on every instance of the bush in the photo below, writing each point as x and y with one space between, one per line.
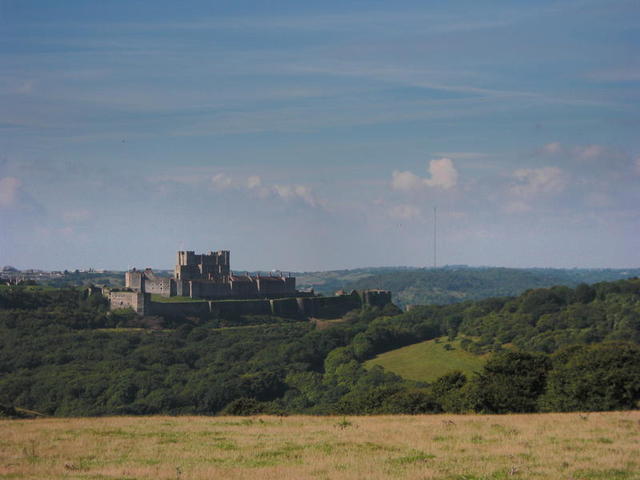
411 401
245 407
511 382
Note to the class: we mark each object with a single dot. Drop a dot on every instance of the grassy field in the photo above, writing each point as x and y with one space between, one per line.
427 361
603 446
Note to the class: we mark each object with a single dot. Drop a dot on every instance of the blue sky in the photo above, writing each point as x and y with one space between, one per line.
319 135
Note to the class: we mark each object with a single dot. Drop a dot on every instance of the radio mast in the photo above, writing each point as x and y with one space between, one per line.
435 237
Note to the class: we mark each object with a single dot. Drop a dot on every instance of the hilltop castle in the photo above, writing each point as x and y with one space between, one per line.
209 276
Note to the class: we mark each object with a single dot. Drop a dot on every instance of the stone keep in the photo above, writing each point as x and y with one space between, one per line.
213 266
209 276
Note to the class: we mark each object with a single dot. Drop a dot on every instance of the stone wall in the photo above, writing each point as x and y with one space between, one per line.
161 286
334 307
287 307
376 298
231 308
139 302
133 280
292 307
208 289
239 287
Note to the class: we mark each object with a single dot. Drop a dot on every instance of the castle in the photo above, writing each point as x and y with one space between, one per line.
209 276
221 293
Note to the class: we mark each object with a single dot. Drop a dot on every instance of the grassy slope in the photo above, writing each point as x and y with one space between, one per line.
599 446
427 361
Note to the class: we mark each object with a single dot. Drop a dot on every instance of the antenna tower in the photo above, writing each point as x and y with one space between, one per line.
435 237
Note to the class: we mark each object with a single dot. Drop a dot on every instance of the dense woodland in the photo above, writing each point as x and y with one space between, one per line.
557 349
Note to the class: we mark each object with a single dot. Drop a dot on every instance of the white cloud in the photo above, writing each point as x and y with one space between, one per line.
589 152
293 192
443 175
254 181
285 191
251 184
221 181
180 179
553 148
9 189
585 153
406 181
306 194
535 181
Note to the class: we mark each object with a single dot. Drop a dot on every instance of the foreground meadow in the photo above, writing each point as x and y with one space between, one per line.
546 446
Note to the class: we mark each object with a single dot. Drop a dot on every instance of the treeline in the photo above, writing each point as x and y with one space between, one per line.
556 349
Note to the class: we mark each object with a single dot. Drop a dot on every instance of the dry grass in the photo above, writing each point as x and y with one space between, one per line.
551 446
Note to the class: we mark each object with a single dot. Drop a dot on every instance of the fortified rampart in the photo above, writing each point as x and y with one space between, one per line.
377 298
209 277
293 307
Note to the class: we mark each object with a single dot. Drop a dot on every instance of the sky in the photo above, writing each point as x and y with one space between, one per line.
320 135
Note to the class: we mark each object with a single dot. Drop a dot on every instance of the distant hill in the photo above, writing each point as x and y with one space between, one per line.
409 285
454 284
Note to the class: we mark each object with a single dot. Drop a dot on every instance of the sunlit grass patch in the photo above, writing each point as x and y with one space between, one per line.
429 360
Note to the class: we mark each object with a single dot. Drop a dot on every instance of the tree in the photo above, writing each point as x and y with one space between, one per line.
594 378
511 382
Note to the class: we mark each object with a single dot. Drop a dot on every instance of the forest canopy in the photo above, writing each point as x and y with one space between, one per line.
551 349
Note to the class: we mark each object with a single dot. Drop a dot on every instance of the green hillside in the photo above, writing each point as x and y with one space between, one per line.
63 353
427 361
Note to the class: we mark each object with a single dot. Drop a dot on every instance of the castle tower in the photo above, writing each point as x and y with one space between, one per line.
214 266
